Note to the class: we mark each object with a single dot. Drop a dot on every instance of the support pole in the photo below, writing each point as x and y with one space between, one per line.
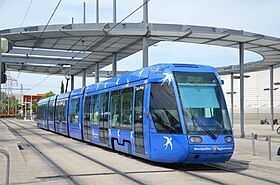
241 66
269 147
253 144
30 110
21 100
96 72
84 78
271 97
84 12
0 65
145 38
25 109
97 11
114 65
231 99
72 82
114 11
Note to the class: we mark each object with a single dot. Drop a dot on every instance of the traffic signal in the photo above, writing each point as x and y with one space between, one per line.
3 71
6 45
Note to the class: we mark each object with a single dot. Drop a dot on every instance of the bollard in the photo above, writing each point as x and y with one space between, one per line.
269 147
7 167
253 144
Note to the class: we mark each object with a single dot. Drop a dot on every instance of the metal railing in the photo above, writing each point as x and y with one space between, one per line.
8 165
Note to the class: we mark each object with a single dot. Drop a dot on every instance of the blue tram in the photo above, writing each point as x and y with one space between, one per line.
165 113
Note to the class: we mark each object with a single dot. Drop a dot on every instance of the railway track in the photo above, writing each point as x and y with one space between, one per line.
62 171
233 167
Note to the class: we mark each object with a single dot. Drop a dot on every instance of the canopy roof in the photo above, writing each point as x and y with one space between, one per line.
69 49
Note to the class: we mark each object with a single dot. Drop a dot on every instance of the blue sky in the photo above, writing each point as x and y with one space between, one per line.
255 16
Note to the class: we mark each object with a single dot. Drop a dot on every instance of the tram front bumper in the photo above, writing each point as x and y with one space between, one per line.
210 153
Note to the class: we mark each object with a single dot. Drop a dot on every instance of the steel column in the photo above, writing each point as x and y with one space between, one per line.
145 38
97 11
114 65
84 12
72 82
84 78
96 72
231 99
0 66
114 11
241 67
271 97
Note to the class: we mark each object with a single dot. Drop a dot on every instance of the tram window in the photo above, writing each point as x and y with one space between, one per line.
95 107
51 111
126 108
62 110
57 114
74 110
115 108
87 113
138 108
164 108
104 107
60 113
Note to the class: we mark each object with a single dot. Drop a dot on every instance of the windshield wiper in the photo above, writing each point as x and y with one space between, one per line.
194 119
213 136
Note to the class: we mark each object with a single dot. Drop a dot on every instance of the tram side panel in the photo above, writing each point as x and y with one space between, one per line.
61 114
52 113
75 116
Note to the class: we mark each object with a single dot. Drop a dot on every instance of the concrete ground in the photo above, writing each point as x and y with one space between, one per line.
61 160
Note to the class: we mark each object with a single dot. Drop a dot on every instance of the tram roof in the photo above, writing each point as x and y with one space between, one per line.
71 48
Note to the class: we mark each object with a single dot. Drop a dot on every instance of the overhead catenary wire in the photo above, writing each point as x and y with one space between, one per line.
106 33
22 22
84 49
59 2
38 84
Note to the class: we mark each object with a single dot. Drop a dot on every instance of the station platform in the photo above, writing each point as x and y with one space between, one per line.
29 168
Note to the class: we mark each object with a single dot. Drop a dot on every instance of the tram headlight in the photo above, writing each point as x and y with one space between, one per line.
228 139
195 139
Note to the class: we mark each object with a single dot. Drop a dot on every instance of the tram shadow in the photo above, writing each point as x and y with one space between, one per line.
231 166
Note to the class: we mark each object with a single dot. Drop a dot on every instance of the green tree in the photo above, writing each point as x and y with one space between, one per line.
62 87
48 94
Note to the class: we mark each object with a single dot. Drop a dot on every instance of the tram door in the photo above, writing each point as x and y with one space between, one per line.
87 115
103 126
138 120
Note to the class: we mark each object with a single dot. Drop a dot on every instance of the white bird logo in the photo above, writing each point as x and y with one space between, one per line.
117 82
119 133
105 86
168 77
97 86
131 134
140 73
127 81
168 142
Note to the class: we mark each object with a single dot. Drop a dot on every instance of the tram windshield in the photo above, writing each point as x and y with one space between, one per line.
203 104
